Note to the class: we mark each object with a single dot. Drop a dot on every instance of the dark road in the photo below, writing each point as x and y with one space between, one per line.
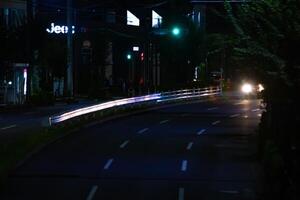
201 150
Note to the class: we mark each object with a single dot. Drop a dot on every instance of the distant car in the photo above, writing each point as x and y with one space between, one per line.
250 90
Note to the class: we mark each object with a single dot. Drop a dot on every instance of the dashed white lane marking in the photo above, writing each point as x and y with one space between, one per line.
240 103
92 192
216 122
213 108
108 164
201 131
184 165
8 127
235 115
189 146
229 191
181 194
143 130
164 121
255 110
124 144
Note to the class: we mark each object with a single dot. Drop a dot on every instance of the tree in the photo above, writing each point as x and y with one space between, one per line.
268 32
268 38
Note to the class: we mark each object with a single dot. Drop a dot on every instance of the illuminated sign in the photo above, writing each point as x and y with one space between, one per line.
59 29
156 19
132 19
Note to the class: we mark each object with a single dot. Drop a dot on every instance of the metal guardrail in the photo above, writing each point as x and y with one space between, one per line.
157 97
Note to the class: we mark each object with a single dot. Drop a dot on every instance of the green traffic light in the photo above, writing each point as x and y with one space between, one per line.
128 56
176 31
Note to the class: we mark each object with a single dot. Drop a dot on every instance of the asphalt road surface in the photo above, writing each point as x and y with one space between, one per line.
198 151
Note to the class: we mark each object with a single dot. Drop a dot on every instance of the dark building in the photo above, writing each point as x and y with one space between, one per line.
110 53
13 64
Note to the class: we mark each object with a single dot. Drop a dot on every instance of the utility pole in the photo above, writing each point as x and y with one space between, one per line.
69 49
30 9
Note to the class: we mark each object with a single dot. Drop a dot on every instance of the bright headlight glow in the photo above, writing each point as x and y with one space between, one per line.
247 88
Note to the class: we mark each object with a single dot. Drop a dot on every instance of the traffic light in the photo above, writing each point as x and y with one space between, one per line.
142 56
176 31
129 56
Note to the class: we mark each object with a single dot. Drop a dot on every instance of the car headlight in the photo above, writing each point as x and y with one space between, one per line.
247 88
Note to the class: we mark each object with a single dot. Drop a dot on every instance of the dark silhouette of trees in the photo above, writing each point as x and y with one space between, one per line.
267 38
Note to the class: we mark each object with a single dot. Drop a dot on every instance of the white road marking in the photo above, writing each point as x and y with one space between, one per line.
143 130
164 121
216 122
201 131
8 127
184 165
108 164
124 144
189 146
213 108
235 115
184 115
229 191
240 103
92 192
255 110
181 194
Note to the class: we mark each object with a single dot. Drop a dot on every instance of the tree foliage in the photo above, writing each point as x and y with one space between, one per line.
268 31
268 37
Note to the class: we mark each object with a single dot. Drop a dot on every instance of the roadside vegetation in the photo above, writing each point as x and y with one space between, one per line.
266 41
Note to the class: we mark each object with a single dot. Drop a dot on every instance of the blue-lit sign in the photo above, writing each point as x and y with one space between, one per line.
60 29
